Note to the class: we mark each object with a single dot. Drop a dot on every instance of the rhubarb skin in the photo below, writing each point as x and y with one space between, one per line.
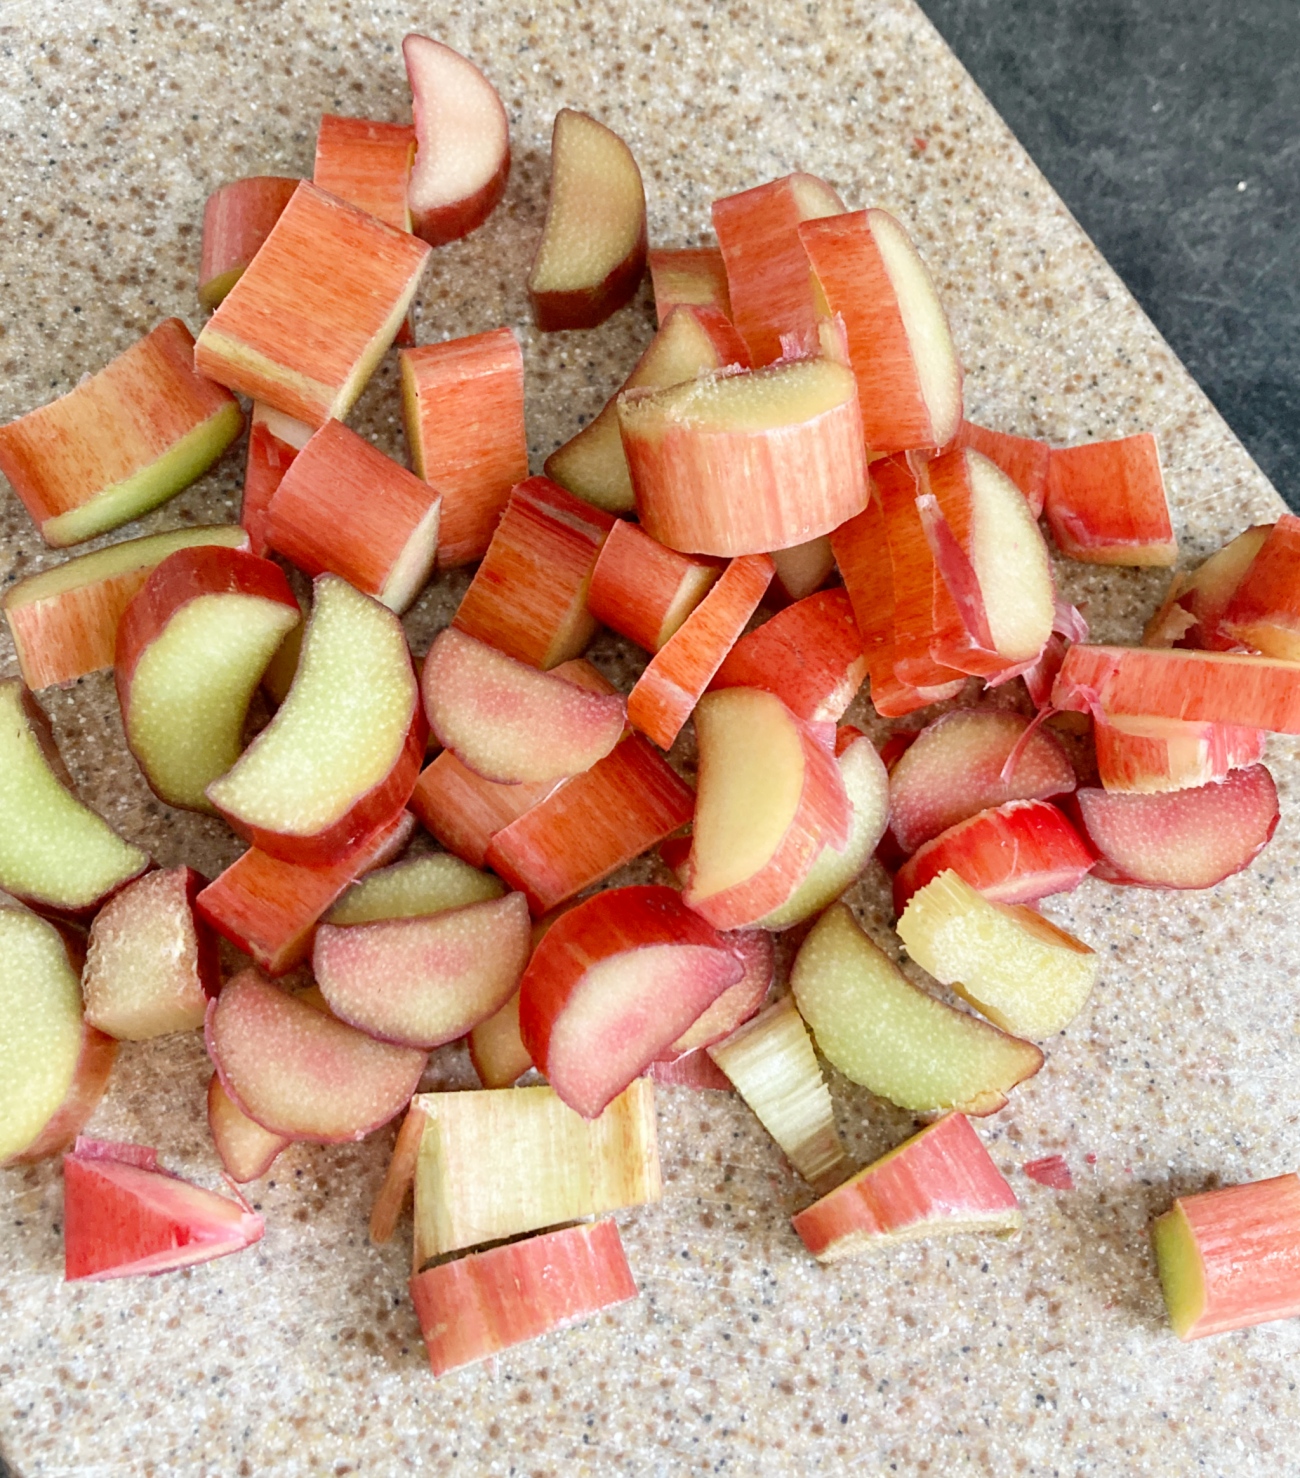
1015 853
237 219
1148 756
400 1176
665 694
810 655
487 1302
305 326
122 441
463 407
644 590
690 277
1106 503
768 277
939 1182
591 825
696 1070
1264 612
247 1150
1022 458
897 335
529 596
269 458
367 164
1230 1258
344 507
64 620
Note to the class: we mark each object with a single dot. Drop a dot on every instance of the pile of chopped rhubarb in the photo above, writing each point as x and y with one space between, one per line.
783 508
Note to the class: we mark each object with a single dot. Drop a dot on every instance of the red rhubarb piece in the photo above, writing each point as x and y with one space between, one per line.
737 1003
1023 459
692 277
1159 754
237 219
464 811
401 1175
274 440
1106 503
1053 1171
367 164
644 590
247 1150
1264 612
1193 608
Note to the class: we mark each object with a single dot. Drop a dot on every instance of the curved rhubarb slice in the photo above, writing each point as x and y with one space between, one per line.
507 721
462 136
343 752
899 342
691 277
56 1066
237 219
123 1218
1264 612
191 649
246 1149
64 621
791 434
591 257
54 851
897 1040
1196 600
487 1302
414 888
1106 503
1026 975
301 1073
738 1002
613 983
151 964
690 341
770 797
427 980
121 441
1017 853
940 1182
1151 755
955 769
1183 838
496 1047
644 590
866 783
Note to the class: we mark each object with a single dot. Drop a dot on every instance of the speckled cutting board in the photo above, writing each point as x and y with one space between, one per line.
743 1356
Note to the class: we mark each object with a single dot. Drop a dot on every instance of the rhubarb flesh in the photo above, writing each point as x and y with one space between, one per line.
496 1047
413 889
738 1002
693 277
1024 460
247 1150
803 568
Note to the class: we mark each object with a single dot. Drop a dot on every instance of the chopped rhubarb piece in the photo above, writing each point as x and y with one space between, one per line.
591 257
696 1070
1264 612
894 1038
122 441
1023 459
305 326
399 1179
955 770
54 850
644 590
150 964
768 276
274 440
790 434
237 219
463 405
1200 687
1053 1171
1106 503
810 655
464 811
345 507
771 1064
367 164
529 596
691 341
463 155
1026 975
738 1002
866 783
770 798
487 1302
1230 1258
497 1049
1016 853
269 908
692 277
940 1182
803 568
498 1162
343 752
191 649
427 980
1195 602
611 986
1149 755
64 620
413 889
671 685
899 343
591 825
299 1072
507 721
56 1066
1183 838
120 1220
247 1150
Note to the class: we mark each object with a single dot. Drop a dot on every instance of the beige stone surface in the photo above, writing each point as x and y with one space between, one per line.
302 1356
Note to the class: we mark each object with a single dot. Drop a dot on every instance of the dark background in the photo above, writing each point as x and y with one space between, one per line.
1172 131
